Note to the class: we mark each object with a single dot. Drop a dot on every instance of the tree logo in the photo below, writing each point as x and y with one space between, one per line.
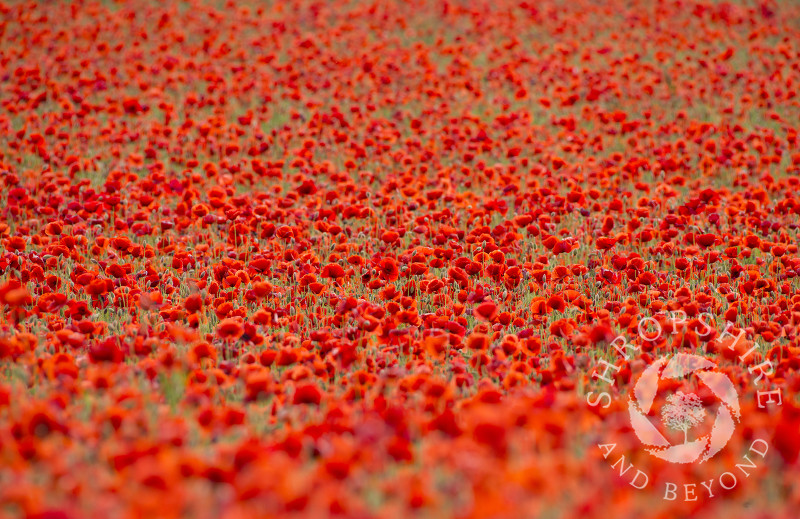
684 411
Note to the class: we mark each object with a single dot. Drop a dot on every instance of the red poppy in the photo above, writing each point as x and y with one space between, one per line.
486 311
556 302
230 329
307 394
388 269
332 271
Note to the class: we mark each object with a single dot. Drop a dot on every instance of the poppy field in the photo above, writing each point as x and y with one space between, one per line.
393 259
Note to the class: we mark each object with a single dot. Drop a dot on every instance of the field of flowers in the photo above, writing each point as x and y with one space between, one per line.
366 259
